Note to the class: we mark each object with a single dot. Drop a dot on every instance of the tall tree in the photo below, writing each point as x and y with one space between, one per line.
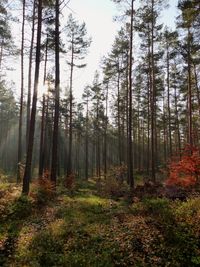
27 173
149 14
54 162
28 111
170 42
130 140
86 98
78 47
186 21
98 116
22 94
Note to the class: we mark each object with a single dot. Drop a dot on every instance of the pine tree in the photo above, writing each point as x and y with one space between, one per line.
27 173
78 47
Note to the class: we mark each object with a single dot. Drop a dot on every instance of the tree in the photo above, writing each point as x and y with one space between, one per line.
86 97
186 21
130 142
8 118
98 117
150 29
54 161
27 173
22 93
78 47
114 69
130 12
170 45
6 43
30 74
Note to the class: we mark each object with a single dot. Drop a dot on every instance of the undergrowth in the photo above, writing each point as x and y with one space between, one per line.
88 229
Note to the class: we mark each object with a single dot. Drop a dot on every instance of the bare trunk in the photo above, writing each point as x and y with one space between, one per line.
197 87
105 135
41 156
86 142
30 76
21 98
190 137
152 100
27 173
177 121
54 162
118 118
168 105
130 142
69 161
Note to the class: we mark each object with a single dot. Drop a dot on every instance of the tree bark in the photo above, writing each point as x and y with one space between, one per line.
27 173
30 76
69 161
168 104
86 140
22 96
41 156
189 91
153 177
54 162
105 134
130 142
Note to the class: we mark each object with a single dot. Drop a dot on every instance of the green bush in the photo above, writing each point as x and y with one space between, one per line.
43 191
180 247
21 208
159 207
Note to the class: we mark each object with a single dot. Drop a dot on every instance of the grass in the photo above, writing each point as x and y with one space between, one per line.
82 228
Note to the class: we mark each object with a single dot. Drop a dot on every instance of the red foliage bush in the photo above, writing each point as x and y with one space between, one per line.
70 181
186 171
43 189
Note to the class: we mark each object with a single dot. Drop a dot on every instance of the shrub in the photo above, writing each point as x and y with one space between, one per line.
115 183
44 189
186 171
70 182
157 206
114 188
189 213
21 208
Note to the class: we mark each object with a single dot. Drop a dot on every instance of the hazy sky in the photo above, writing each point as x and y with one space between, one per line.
98 16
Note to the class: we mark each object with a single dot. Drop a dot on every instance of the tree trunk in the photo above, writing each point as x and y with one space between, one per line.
41 157
27 173
105 135
177 121
130 142
30 76
69 161
86 141
168 105
21 97
153 177
54 162
197 87
118 117
189 91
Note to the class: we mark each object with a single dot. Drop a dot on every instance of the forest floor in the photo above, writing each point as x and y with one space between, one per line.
87 228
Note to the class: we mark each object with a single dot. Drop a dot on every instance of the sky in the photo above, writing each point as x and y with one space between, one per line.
99 18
